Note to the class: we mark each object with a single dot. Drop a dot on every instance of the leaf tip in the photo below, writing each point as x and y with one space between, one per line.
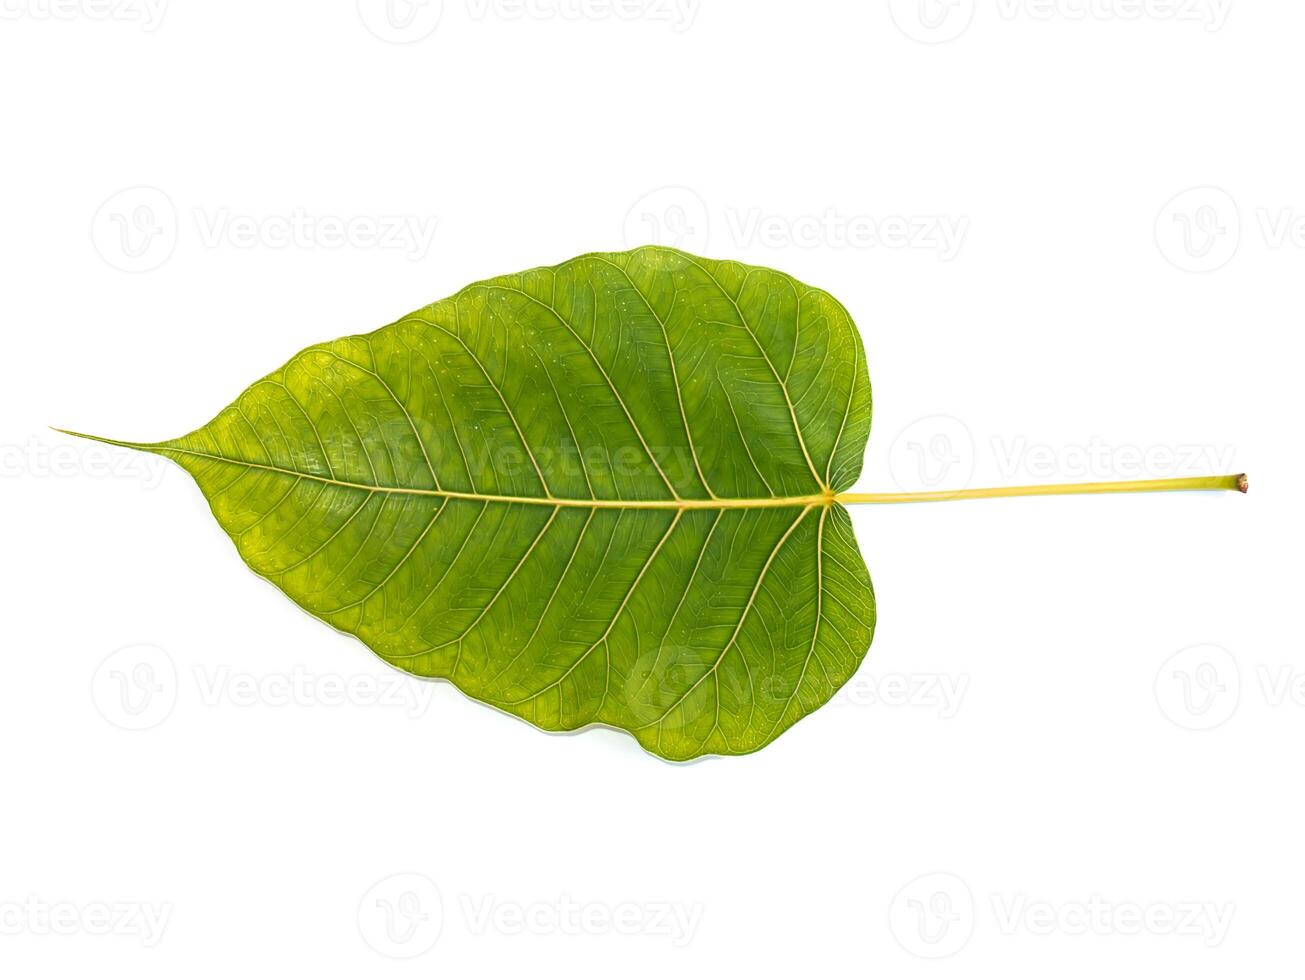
104 439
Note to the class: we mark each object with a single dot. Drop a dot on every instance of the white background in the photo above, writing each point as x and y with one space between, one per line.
1090 795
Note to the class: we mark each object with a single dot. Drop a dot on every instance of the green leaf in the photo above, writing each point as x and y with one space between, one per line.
595 493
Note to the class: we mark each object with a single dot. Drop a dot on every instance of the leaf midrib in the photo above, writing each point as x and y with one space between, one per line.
682 503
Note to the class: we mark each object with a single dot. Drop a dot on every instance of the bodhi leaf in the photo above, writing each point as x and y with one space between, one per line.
594 493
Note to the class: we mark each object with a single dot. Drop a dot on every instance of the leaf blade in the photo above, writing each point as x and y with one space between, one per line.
599 492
